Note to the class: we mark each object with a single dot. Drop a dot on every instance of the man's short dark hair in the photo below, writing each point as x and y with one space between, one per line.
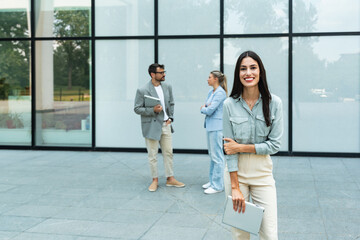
154 66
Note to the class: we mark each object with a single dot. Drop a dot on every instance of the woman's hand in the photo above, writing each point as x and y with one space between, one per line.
202 106
230 147
238 200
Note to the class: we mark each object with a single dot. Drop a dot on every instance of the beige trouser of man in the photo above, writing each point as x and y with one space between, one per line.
152 147
256 180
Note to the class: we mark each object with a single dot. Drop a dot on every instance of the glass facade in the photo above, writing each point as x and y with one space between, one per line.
188 17
326 106
261 16
326 16
62 18
69 69
188 63
124 18
63 96
15 94
121 66
15 19
15 73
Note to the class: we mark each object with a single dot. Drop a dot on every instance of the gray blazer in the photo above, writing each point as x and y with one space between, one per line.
151 122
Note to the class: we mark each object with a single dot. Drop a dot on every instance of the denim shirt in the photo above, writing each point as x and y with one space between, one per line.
247 126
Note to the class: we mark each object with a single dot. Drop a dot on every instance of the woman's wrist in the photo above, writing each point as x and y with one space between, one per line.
239 148
246 148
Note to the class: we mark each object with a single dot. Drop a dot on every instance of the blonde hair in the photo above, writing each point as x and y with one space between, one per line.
222 79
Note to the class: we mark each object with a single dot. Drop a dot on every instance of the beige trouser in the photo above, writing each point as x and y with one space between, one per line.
152 147
256 180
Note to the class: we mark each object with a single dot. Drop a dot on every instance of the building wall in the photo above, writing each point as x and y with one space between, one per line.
83 61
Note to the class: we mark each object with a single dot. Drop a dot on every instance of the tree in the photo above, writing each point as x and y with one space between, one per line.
71 56
14 55
13 24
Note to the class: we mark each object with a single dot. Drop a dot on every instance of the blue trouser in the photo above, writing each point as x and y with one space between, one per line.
217 162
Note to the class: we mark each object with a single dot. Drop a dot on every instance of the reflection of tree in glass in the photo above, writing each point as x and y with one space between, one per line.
189 17
14 55
308 69
13 24
71 57
4 89
340 78
256 16
305 17
191 63
14 64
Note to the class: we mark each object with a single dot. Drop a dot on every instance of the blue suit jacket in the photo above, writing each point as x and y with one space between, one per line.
214 110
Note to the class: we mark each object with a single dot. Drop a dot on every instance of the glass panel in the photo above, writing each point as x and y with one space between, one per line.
14 18
261 16
189 17
63 94
124 17
326 16
326 114
121 67
15 95
188 64
274 55
62 18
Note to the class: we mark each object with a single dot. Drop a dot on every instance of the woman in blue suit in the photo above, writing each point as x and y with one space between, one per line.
213 109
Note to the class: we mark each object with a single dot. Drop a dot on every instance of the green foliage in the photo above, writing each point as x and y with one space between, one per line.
71 57
13 24
14 55
14 63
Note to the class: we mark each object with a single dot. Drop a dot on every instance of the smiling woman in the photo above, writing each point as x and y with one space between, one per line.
252 127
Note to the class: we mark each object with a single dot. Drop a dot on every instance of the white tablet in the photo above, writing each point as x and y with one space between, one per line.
249 221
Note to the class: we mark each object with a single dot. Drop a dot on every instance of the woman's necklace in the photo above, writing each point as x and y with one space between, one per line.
250 103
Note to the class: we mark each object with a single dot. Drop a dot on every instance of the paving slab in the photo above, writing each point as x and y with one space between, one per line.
71 195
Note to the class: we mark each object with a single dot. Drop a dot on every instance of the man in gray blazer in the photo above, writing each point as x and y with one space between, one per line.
156 124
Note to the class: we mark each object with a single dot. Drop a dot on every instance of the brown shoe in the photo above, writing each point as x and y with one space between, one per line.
174 183
153 187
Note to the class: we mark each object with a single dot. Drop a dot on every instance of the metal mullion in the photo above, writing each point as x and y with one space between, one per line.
326 154
33 74
156 31
93 77
256 35
319 34
15 39
123 37
61 38
290 81
222 35
189 36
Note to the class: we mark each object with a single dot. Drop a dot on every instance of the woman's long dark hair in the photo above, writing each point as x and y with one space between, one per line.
238 87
